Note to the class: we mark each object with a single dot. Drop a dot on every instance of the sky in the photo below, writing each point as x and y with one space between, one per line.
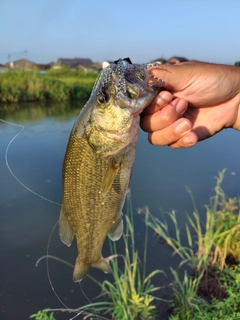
45 30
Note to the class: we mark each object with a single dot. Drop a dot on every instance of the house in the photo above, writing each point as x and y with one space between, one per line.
22 63
160 61
106 63
44 66
172 60
75 63
175 60
2 66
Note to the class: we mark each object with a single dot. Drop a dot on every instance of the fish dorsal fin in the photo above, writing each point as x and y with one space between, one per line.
117 230
65 231
109 176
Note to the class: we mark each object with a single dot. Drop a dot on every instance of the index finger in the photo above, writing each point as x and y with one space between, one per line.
161 100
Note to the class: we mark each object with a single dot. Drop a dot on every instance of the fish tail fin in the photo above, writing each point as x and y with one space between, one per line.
81 268
103 265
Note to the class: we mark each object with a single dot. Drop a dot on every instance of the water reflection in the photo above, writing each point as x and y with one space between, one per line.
32 111
26 221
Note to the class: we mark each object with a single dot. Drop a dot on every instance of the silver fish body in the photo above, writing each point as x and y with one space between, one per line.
99 159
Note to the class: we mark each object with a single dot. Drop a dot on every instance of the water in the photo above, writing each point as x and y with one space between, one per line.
160 177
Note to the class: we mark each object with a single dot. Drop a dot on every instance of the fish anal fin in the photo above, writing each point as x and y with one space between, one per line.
109 176
117 230
65 231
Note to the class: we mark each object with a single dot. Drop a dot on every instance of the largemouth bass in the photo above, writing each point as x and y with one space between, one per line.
99 159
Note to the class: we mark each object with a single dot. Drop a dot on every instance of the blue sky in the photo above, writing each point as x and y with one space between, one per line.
108 30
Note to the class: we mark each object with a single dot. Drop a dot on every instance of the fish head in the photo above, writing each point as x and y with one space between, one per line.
127 85
121 92
111 115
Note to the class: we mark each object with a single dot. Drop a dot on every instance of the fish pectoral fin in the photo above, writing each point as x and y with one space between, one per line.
109 176
117 230
65 230
103 265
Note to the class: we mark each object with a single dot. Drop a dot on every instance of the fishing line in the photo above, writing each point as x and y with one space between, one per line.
84 294
48 273
33 192
48 200
50 281
47 266
9 168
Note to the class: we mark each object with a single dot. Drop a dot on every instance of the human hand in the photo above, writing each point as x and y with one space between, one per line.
213 94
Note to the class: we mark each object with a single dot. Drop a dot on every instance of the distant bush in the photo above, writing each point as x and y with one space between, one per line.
59 85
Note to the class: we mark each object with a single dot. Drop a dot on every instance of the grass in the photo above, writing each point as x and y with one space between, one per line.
55 85
210 291
227 309
43 315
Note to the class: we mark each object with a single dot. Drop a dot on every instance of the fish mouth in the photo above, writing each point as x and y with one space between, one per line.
130 80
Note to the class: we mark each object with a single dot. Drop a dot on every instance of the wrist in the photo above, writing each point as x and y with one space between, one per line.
237 122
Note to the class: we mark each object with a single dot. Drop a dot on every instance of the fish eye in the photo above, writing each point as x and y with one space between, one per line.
139 75
103 97
133 94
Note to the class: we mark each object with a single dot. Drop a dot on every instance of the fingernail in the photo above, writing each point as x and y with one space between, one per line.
181 106
162 100
182 127
189 141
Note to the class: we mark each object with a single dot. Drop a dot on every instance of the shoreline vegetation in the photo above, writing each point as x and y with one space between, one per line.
62 84
210 264
54 85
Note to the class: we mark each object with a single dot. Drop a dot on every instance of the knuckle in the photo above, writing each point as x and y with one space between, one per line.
150 140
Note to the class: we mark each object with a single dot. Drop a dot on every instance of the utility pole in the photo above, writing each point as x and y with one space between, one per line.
26 54
9 60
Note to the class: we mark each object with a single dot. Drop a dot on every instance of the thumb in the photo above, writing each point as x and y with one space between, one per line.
175 76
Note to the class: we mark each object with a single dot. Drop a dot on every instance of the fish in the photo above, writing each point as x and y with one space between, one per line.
99 158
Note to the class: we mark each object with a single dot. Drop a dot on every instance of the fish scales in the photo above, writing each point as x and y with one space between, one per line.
86 197
98 164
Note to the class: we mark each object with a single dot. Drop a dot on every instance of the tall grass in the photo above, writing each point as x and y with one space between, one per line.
57 85
209 245
210 242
